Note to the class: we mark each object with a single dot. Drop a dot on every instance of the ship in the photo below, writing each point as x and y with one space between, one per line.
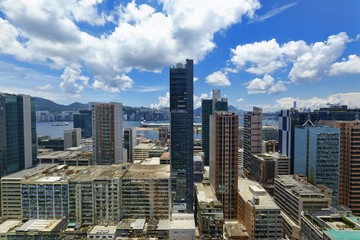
59 124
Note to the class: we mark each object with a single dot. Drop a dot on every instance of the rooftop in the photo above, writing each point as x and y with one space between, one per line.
137 224
106 230
235 229
182 221
26 173
206 196
151 161
298 184
42 226
147 146
139 171
248 189
166 155
68 155
8 225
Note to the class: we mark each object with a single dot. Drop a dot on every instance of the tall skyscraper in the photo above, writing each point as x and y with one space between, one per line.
349 182
130 141
224 141
181 136
107 133
317 155
208 107
252 137
18 144
83 120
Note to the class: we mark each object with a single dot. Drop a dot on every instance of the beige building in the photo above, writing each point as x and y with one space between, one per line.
209 212
235 231
141 151
294 194
71 158
257 211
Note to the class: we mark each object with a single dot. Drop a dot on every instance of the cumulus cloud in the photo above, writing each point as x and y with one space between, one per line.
46 87
309 62
73 81
218 78
240 100
197 100
164 101
144 38
350 66
265 85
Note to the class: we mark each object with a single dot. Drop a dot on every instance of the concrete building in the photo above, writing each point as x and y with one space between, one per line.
101 232
270 146
349 183
143 229
198 169
224 160
163 135
336 223
258 212
182 227
18 143
235 231
157 151
83 120
209 214
11 191
240 161
150 185
293 194
208 107
70 158
141 151
252 137
107 133
269 133
182 136
265 167
165 158
317 155
130 141
72 138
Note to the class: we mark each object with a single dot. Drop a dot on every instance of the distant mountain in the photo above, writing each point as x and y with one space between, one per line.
43 104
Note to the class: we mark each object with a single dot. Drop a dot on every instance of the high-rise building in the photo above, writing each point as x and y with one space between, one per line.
294 194
18 143
83 120
182 135
107 133
349 182
252 137
317 155
224 160
208 107
72 137
163 135
130 141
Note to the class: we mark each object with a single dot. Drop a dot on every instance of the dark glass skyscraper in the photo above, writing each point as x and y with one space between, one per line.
181 136
83 120
18 148
208 107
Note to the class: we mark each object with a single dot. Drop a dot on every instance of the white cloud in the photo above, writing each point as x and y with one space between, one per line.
240 100
218 79
47 33
272 13
73 81
197 100
195 79
309 62
46 87
164 101
265 85
149 89
350 66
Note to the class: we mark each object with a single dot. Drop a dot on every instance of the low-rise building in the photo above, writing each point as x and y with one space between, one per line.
258 212
141 151
165 158
182 227
209 214
101 232
336 223
235 231
293 194
71 158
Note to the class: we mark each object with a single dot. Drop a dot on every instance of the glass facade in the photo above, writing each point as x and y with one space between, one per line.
83 120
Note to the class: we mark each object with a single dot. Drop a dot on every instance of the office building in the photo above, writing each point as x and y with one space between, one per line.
130 141
70 158
55 144
235 231
208 107
83 120
224 160
317 155
107 133
163 135
72 138
18 143
252 137
269 132
240 161
209 214
293 194
349 182
258 212
182 226
141 151
198 168
265 167
336 223
181 136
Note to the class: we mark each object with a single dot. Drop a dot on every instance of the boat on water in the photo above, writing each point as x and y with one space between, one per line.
59 124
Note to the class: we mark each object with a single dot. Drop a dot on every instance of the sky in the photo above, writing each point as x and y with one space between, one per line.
258 53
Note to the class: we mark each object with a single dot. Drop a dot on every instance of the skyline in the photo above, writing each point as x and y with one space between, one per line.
259 53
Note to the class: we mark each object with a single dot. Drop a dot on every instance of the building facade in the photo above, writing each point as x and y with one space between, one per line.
83 120
107 133
72 137
18 143
182 135
224 159
130 141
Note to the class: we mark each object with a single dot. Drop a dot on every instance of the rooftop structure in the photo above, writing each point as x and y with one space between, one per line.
71 158
234 230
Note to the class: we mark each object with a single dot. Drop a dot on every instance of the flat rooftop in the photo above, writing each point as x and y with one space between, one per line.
68 155
105 230
248 189
41 226
99 172
26 173
135 224
182 221
147 146
139 171
301 186
151 161
8 225
205 194
235 229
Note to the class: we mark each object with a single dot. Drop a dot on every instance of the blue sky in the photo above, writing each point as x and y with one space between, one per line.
263 53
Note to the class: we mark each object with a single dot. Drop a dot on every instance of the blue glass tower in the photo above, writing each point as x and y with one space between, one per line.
83 120
181 136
